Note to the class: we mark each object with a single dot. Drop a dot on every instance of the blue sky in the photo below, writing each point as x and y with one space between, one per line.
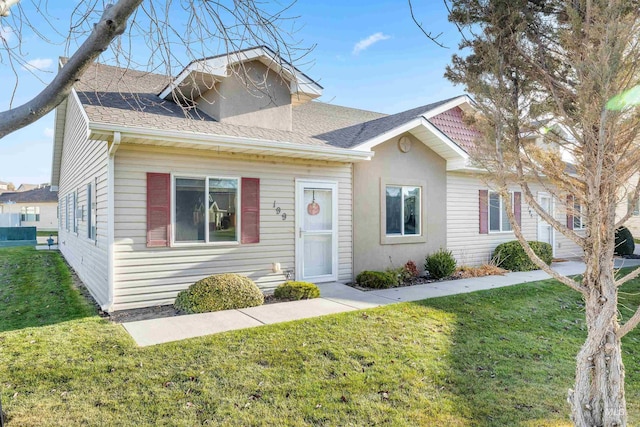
368 55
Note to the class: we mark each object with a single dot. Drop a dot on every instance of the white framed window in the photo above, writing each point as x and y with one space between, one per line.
67 216
92 210
30 213
206 209
74 212
403 210
498 219
579 222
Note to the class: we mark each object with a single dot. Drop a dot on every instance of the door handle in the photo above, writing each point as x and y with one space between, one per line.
301 232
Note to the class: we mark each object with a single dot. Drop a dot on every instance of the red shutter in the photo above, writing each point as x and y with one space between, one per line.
483 201
570 212
517 206
158 209
250 208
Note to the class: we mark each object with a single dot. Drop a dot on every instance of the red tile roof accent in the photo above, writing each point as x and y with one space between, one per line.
452 124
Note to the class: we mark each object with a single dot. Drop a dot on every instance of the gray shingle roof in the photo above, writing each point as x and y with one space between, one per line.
124 97
38 195
358 133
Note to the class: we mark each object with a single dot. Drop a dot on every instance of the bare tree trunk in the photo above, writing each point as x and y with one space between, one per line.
598 398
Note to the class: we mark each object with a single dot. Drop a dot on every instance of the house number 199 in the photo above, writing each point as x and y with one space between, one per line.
279 211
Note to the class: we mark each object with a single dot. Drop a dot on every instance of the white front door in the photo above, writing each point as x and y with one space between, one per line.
316 231
545 230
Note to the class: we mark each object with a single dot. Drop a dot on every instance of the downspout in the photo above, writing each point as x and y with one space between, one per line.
111 220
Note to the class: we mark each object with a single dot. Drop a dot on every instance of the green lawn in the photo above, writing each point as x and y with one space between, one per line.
502 357
44 233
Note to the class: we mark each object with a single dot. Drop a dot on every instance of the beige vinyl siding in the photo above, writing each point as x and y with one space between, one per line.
463 226
83 161
626 191
153 276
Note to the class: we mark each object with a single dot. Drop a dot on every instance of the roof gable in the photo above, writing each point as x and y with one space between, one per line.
201 75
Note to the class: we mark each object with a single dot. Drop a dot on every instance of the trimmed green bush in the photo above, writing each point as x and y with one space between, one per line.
376 279
296 290
511 256
440 264
624 242
219 292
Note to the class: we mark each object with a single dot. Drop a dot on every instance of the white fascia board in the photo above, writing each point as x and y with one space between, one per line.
211 141
456 102
383 137
458 152
444 138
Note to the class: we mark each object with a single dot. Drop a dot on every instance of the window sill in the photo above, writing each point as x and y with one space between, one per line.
200 245
400 240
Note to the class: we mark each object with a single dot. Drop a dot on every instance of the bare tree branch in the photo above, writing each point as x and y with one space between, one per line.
112 23
428 34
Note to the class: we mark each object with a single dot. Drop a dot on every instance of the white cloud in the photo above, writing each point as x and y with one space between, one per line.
48 132
366 43
38 64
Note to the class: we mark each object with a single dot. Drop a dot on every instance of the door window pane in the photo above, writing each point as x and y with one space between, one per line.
394 210
411 210
318 213
190 210
223 210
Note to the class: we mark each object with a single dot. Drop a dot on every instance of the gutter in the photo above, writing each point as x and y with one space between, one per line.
217 141
111 270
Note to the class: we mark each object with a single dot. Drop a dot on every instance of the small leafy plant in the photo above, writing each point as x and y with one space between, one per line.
293 291
411 269
219 292
513 257
440 264
377 279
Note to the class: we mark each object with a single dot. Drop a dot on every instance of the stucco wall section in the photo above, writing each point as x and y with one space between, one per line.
153 276
84 160
389 163
253 95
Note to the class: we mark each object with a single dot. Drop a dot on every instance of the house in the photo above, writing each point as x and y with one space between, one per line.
37 208
232 166
5 186
27 187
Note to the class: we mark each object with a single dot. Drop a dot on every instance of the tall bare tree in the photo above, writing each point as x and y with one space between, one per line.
159 36
551 78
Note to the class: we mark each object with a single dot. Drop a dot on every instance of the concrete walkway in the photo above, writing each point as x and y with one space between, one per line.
334 298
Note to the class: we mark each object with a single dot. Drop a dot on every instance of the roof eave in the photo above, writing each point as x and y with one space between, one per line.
225 143
455 156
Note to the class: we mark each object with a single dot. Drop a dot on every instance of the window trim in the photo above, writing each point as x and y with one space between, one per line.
391 239
92 213
577 214
501 231
206 178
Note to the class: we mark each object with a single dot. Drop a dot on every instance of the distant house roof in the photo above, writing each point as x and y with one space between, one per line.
27 187
38 195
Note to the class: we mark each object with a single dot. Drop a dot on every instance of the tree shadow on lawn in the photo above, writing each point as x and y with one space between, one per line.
36 289
512 355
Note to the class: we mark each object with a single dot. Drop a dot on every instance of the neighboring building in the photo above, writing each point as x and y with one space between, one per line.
27 187
5 186
37 207
256 178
